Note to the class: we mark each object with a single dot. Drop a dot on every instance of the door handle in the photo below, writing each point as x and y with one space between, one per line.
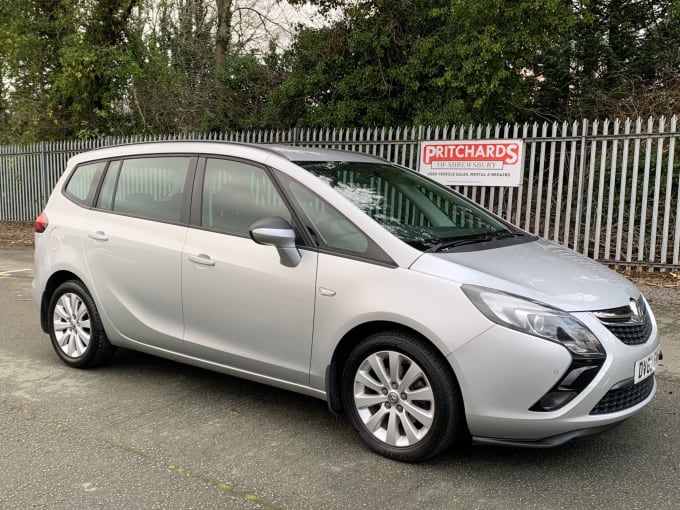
98 236
202 259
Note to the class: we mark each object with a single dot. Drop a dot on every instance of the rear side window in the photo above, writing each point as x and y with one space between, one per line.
105 200
82 184
152 188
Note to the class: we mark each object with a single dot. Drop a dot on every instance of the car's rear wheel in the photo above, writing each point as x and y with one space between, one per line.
401 396
75 327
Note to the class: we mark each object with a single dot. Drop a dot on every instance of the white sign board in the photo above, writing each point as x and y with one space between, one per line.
473 163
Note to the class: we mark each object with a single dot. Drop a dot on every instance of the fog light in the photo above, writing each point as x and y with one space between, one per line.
580 374
554 400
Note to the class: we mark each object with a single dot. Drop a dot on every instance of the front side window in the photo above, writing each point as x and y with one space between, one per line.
415 210
236 195
83 182
152 188
332 228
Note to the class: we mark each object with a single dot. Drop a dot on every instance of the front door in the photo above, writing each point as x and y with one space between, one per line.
242 307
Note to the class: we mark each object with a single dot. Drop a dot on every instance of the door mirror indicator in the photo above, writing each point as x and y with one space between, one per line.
277 232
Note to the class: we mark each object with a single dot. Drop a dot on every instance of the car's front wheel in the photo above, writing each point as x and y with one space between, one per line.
401 396
75 327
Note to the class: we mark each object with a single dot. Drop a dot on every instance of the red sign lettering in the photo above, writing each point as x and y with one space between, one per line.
508 153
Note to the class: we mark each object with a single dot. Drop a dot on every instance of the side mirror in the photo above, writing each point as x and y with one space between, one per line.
277 232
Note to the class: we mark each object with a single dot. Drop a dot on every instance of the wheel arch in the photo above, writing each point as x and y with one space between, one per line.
53 282
353 337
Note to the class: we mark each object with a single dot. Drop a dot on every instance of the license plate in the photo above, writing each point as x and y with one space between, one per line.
646 366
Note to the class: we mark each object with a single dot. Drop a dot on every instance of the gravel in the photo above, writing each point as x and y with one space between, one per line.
15 234
666 297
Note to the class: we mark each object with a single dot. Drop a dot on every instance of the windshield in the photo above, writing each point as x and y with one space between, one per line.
424 215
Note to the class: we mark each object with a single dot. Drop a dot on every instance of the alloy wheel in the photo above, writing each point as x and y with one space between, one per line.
72 329
394 398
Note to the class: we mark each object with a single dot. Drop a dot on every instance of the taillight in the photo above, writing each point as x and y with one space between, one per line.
41 223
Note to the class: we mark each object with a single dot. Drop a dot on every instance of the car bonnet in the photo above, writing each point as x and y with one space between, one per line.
538 270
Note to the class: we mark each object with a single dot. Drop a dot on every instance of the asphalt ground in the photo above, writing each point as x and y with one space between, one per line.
143 432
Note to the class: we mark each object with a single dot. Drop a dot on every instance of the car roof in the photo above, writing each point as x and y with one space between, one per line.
292 153
297 153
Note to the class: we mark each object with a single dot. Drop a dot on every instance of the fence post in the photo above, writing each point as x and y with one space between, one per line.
43 179
416 149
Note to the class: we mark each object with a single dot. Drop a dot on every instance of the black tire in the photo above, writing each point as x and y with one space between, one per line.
441 407
76 325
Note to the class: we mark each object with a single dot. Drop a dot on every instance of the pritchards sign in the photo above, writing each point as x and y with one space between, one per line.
473 163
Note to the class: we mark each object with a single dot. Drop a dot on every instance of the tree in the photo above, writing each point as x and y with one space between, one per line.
196 72
173 85
95 62
64 64
222 38
78 68
74 68
500 58
627 58
448 61
33 34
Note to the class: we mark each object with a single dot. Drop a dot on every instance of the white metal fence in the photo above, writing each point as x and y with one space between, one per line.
606 189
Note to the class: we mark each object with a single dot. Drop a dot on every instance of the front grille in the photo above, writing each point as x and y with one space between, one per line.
632 334
630 324
624 398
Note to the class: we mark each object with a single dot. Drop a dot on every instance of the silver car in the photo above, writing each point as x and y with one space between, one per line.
421 316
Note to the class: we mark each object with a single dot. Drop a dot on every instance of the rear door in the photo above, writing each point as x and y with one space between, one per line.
242 307
133 246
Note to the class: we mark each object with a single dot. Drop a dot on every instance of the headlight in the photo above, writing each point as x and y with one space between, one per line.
536 319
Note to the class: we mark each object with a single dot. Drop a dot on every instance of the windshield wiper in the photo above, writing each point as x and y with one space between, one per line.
506 234
452 243
478 238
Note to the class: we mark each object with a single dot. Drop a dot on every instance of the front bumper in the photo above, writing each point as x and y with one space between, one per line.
547 442
503 373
